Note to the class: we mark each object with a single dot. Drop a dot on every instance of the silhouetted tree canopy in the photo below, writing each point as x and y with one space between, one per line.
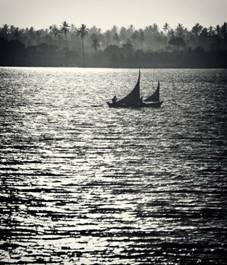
67 45
177 42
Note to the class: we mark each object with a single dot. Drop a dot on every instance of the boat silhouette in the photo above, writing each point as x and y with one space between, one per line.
134 100
154 99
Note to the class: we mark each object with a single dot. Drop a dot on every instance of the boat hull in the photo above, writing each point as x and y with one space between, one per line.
116 105
144 104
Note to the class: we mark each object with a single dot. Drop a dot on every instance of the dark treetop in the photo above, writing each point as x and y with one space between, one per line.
68 45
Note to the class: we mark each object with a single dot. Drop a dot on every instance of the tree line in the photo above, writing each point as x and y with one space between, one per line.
68 45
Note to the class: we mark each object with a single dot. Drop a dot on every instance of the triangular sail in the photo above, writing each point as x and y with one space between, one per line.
133 98
155 96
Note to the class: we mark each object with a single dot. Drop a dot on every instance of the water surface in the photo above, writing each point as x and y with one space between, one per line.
85 184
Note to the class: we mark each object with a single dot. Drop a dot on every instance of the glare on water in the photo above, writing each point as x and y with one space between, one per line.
85 184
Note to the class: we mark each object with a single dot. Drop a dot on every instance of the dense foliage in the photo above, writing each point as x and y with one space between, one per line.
67 45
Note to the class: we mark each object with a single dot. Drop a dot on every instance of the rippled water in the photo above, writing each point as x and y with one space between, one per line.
85 184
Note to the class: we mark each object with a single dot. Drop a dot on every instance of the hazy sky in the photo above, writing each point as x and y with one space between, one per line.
106 13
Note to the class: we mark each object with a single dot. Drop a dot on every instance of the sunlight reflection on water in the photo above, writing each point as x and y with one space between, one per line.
82 183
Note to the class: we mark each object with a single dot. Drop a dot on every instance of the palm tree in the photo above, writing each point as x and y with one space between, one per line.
141 38
65 29
95 41
82 32
116 39
16 33
54 30
166 27
180 30
135 37
5 31
196 30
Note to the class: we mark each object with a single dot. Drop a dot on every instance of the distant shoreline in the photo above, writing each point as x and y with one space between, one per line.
151 47
109 67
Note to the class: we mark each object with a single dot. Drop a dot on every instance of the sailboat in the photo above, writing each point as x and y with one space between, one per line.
133 99
154 99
